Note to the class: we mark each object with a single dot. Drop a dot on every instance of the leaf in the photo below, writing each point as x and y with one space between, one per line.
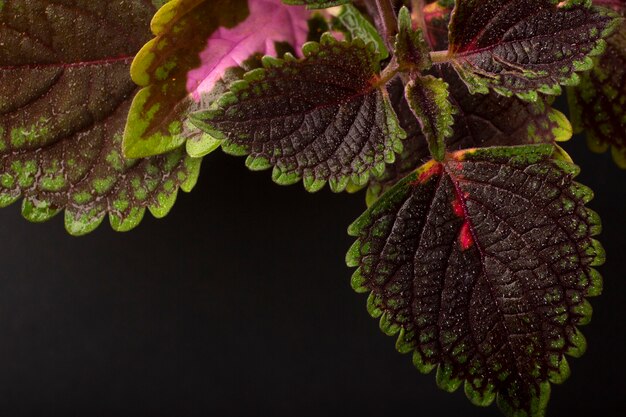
524 46
427 97
598 104
355 25
317 4
196 42
480 265
323 117
481 120
410 48
64 97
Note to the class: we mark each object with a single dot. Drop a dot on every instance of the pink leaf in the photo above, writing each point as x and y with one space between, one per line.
269 21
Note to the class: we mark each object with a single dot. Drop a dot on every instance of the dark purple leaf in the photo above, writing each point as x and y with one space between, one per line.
481 266
524 46
321 118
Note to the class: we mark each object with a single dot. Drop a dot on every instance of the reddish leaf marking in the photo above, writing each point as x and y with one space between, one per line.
466 240
435 169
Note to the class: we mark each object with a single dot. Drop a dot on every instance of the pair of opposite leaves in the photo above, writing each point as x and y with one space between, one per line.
458 212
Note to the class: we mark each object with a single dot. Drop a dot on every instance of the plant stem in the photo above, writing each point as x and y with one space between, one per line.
440 57
388 19
389 72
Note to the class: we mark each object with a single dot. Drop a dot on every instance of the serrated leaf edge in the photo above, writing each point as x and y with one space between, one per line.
443 380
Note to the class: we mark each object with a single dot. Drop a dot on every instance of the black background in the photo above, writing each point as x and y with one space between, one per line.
239 304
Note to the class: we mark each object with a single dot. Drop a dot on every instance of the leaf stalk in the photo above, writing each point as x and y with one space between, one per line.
440 57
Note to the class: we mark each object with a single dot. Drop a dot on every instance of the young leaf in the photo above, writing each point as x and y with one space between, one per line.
317 4
427 97
481 265
196 42
481 120
410 48
64 96
524 46
323 117
598 104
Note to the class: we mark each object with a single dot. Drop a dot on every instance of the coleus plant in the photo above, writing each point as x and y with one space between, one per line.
477 249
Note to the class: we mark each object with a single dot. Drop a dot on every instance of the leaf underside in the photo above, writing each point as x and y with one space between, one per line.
320 118
481 265
64 97
481 120
598 104
524 46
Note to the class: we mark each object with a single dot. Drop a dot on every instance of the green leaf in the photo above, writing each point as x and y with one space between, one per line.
481 120
526 46
427 97
598 104
410 48
481 266
355 25
64 98
316 4
321 118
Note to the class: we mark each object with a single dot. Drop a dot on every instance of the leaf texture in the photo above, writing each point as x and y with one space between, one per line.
598 104
524 46
427 97
410 47
64 97
480 120
481 266
321 118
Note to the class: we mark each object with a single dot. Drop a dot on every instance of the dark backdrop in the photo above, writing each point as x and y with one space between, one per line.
239 304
